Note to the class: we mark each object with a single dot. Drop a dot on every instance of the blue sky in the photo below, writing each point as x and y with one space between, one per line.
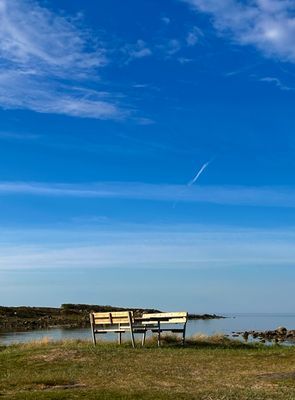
108 110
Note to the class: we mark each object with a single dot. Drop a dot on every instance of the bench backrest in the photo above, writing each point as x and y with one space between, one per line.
111 318
167 318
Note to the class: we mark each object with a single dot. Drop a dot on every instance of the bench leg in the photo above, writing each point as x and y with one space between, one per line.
92 324
159 335
119 337
93 337
143 338
132 338
183 335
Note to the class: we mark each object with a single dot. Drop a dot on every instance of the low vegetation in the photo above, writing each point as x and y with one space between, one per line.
213 368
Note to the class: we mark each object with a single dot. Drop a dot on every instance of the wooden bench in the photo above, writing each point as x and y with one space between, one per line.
114 322
154 322
123 321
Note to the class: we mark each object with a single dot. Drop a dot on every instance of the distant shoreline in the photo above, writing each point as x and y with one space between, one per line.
67 316
205 316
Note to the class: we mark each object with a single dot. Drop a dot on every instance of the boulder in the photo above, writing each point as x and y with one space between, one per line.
281 330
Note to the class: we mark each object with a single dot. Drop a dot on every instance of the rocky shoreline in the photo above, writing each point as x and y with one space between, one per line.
66 316
279 335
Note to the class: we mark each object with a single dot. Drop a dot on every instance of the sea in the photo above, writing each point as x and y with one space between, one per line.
226 326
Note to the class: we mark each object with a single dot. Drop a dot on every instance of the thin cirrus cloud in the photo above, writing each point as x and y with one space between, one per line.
276 82
5 135
224 195
194 36
189 247
41 55
268 25
136 50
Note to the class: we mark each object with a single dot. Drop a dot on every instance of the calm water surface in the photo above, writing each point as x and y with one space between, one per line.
237 322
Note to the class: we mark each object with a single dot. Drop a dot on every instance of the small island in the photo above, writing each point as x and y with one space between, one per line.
67 316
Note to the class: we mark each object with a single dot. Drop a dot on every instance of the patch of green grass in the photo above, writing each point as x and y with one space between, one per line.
213 368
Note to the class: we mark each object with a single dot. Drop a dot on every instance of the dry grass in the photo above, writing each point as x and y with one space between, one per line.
213 368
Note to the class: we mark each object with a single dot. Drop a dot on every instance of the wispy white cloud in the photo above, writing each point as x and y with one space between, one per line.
37 94
176 47
194 36
245 68
172 47
226 195
30 33
269 25
184 60
159 247
91 219
136 50
277 82
168 47
166 20
164 47
41 55
18 136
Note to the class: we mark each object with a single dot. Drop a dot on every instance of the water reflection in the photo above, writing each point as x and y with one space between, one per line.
233 323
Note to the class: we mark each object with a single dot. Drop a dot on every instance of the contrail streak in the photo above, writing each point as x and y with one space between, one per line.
202 169
194 180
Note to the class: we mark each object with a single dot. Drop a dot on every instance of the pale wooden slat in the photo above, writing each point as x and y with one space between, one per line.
167 321
114 314
109 330
115 321
174 321
165 315
102 321
115 318
111 318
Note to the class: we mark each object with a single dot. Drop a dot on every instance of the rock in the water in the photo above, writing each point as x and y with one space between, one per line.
281 330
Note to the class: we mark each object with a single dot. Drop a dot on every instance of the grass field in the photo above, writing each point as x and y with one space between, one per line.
208 369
